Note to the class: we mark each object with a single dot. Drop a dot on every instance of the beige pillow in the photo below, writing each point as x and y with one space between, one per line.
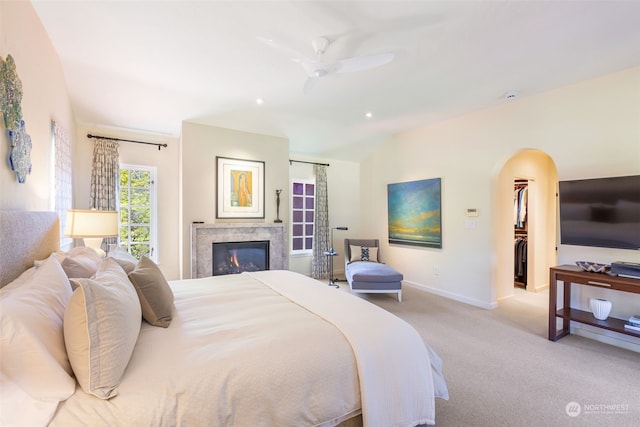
101 327
155 294
123 257
79 267
363 253
81 262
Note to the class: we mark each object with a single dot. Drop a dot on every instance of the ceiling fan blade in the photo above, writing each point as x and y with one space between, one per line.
316 68
313 68
292 53
361 63
311 82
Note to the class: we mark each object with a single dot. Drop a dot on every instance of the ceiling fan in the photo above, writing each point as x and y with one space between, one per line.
317 68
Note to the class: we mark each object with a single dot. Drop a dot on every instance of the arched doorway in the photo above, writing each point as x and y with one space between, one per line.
538 170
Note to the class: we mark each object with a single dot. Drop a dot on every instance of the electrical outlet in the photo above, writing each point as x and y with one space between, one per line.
436 271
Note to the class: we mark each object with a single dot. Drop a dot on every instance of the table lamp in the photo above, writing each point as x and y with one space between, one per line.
91 226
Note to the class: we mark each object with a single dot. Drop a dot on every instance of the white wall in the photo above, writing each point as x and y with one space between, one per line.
590 129
44 99
462 268
200 146
343 188
167 163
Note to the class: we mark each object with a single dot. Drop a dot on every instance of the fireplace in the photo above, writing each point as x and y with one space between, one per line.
203 235
236 257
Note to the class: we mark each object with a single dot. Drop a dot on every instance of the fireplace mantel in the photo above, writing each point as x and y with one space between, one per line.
203 235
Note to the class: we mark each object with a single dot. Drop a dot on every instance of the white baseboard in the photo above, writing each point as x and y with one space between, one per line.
597 334
607 337
451 295
541 288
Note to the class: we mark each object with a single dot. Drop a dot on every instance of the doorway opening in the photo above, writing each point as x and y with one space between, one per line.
533 222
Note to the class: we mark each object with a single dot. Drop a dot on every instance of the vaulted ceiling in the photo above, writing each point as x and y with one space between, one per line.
149 65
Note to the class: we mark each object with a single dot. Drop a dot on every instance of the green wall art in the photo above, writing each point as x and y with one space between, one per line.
415 213
11 107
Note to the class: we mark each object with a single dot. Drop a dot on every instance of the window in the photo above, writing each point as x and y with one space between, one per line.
303 195
61 178
137 203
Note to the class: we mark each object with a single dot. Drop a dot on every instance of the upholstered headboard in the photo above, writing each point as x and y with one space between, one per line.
372 243
25 237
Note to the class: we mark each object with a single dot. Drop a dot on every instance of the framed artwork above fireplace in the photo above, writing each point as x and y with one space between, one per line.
240 188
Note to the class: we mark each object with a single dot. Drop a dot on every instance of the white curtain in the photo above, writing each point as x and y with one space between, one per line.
105 179
320 262
62 177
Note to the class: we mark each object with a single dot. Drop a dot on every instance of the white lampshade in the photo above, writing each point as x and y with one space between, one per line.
91 223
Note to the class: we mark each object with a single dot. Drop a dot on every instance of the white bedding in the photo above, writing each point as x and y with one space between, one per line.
399 374
238 353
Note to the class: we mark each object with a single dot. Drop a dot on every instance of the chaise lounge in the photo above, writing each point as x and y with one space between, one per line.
365 272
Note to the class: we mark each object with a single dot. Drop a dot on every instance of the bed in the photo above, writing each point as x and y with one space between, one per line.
271 348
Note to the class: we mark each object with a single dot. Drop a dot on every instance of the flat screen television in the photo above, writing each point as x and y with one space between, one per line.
602 212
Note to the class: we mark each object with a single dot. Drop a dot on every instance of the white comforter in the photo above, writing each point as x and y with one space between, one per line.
238 353
399 375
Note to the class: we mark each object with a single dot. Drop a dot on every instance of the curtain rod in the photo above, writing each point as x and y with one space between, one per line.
309 163
159 145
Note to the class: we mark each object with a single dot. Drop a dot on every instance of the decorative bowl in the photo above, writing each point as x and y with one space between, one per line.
593 267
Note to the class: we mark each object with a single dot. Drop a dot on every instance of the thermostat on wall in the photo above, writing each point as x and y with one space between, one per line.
472 211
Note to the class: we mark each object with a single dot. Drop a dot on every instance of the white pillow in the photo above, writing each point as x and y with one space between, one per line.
86 252
123 257
18 409
363 253
101 327
32 350
23 278
61 255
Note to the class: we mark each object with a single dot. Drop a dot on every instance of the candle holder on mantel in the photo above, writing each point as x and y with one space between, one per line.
278 220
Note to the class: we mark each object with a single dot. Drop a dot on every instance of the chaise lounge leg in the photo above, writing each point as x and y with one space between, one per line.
399 296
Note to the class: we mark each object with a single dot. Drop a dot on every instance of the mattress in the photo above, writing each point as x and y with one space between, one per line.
271 348
237 353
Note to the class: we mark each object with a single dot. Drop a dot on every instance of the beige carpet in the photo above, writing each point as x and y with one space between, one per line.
502 371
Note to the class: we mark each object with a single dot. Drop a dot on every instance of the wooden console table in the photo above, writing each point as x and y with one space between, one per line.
572 274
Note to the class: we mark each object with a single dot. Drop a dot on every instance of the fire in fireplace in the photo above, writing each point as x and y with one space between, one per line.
236 257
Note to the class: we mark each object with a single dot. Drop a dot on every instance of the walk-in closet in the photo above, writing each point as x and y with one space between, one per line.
520 214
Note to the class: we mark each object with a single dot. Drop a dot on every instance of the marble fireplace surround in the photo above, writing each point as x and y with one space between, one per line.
203 235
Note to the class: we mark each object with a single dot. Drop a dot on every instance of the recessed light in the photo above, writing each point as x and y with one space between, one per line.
368 114
259 101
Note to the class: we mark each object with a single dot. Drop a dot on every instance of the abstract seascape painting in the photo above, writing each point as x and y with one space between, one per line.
415 213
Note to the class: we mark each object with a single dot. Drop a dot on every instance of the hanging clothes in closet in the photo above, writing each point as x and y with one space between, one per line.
520 265
520 200
520 194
